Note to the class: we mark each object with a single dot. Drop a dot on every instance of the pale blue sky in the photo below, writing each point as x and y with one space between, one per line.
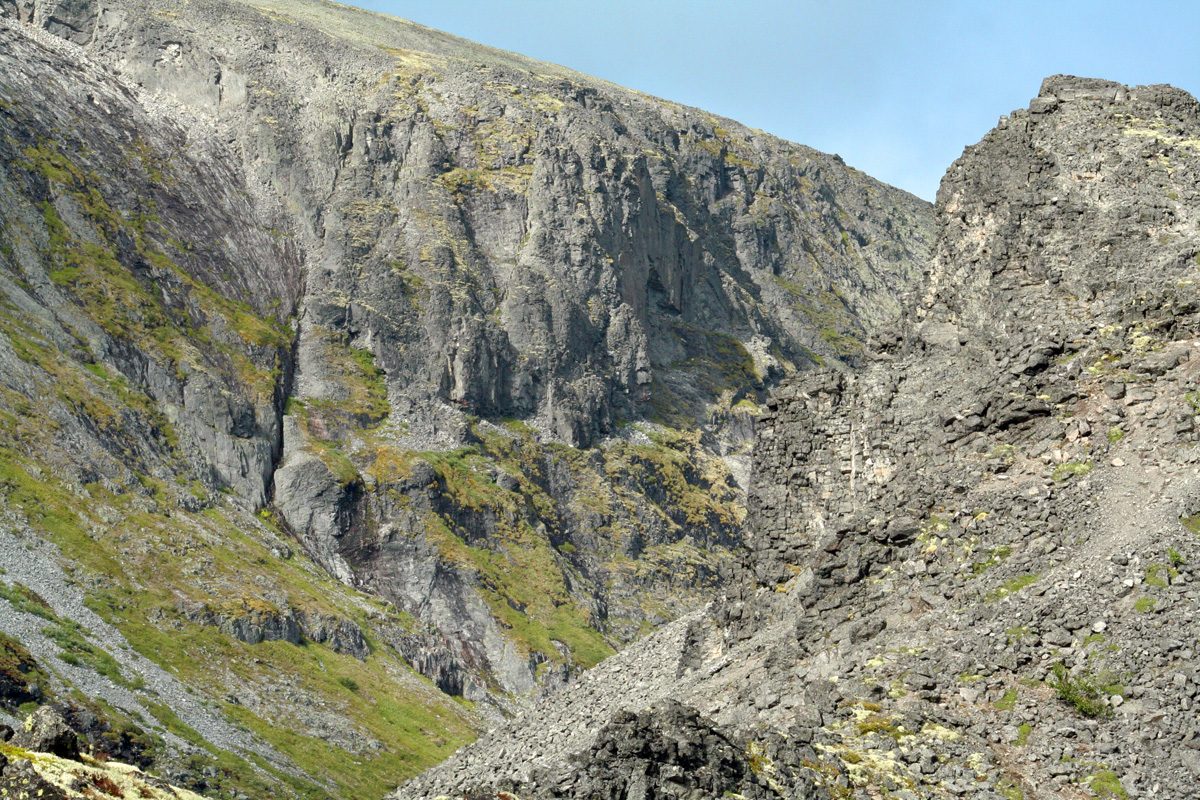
896 88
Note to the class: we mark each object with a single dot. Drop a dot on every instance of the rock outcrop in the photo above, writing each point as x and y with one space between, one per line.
970 566
45 731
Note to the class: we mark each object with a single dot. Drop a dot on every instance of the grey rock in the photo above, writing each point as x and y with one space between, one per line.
45 731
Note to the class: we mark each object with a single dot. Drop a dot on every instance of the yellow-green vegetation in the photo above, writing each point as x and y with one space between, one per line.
716 364
1008 702
673 466
222 552
867 749
505 508
1016 633
1009 789
995 556
1159 574
76 650
1144 604
1192 523
22 598
19 670
356 400
1115 434
826 310
1011 586
414 284
1024 731
365 219
507 178
1072 469
360 393
96 777
841 343
94 269
1105 784
763 767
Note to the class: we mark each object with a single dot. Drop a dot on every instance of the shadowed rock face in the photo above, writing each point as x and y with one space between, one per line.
513 239
970 564
119 252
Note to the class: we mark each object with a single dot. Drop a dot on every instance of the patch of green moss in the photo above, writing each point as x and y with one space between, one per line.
524 587
715 364
995 556
1106 784
1011 587
1008 702
1016 633
842 344
1159 574
110 294
1009 789
360 397
876 724
1072 469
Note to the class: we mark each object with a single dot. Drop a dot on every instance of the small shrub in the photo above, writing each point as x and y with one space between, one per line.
1083 693
349 683
107 785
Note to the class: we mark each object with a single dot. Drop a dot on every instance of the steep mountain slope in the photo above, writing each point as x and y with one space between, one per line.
971 565
143 371
358 380
487 238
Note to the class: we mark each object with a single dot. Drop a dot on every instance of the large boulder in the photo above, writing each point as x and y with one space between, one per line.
45 731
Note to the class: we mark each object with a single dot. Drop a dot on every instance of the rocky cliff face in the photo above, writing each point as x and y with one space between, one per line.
970 568
349 368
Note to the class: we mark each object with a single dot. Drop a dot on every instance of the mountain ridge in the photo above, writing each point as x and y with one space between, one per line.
970 564
403 388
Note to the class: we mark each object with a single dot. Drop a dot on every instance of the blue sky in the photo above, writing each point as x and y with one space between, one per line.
896 88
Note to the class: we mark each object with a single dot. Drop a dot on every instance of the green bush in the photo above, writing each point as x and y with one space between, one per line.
1084 693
